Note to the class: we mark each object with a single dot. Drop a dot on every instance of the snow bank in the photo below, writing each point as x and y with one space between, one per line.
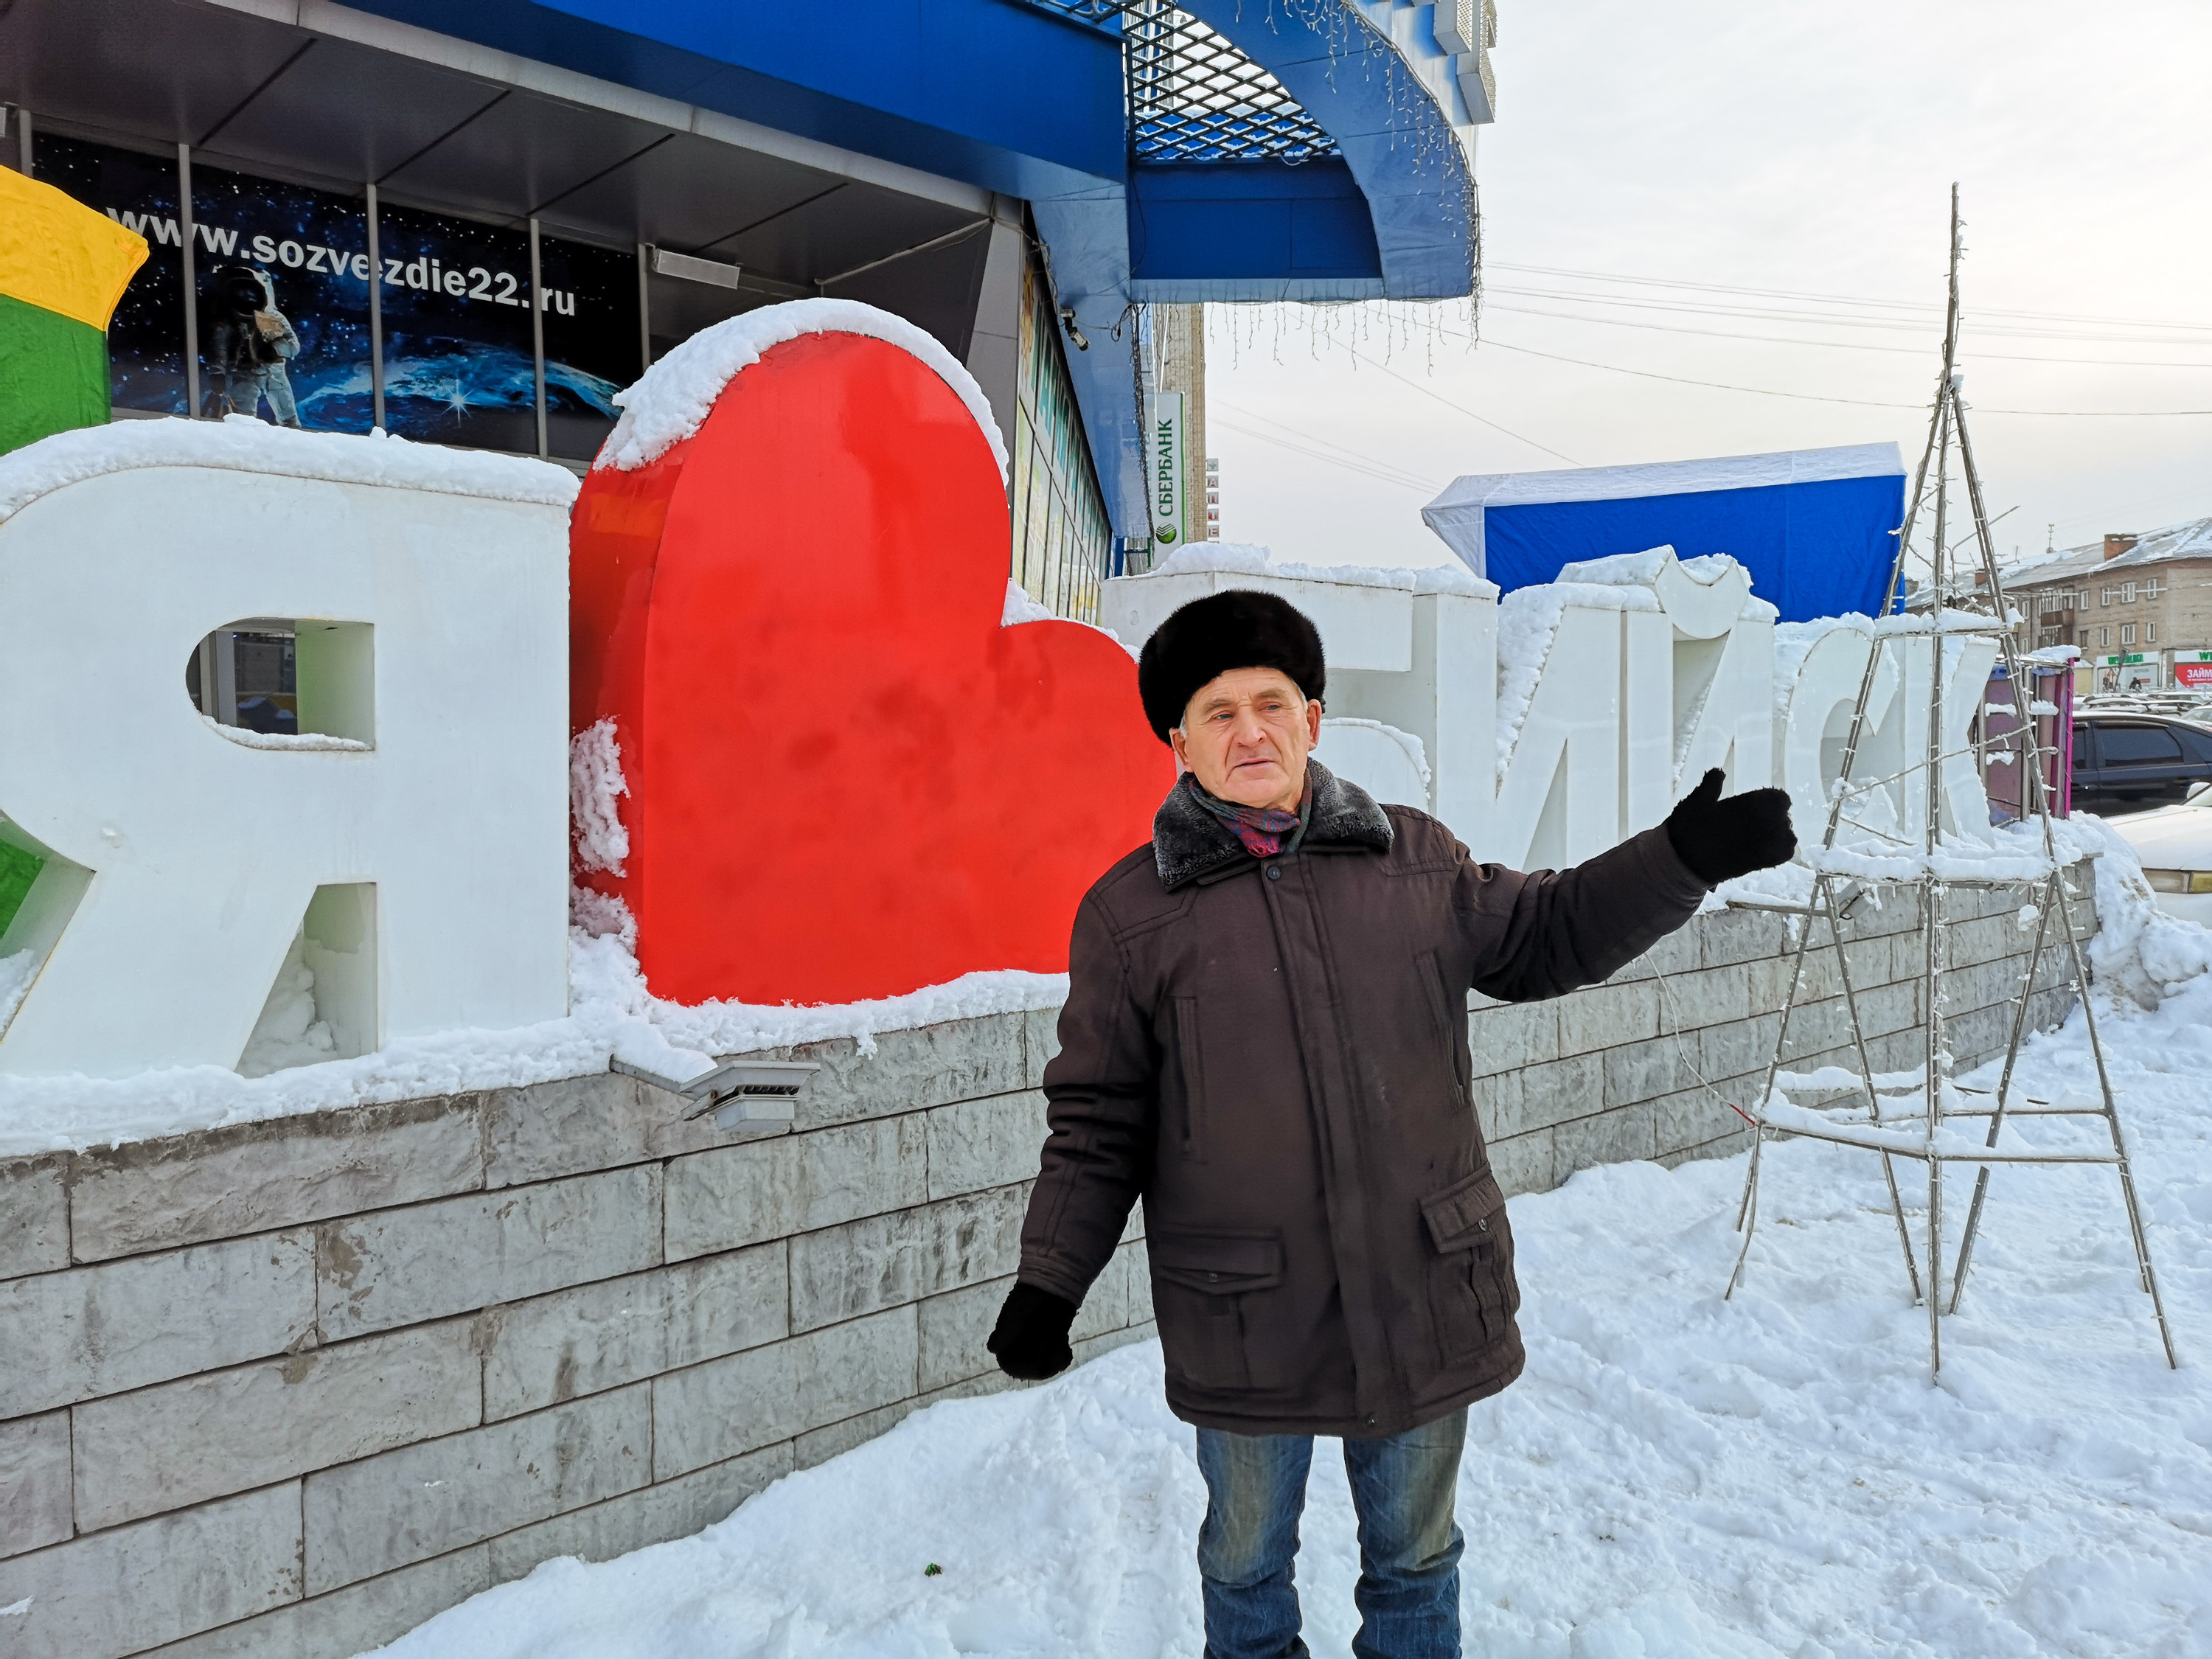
242 444
16 972
1250 559
610 1012
293 740
596 786
1674 1477
1642 569
671 399
1021 608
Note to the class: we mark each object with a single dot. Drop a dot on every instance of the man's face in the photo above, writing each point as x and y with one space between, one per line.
1246 734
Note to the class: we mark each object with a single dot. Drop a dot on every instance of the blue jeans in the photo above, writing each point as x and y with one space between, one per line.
1409 1547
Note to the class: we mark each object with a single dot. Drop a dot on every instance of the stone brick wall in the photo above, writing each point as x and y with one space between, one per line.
1652 1063
289 1389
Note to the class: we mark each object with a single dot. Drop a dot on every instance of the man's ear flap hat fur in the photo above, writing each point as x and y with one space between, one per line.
1206 638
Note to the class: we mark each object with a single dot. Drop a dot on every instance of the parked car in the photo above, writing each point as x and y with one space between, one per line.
2127 763
2175 845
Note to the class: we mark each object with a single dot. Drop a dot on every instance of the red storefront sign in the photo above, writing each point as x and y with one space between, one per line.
2192 673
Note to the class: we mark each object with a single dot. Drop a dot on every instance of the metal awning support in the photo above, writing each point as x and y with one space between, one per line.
742 1094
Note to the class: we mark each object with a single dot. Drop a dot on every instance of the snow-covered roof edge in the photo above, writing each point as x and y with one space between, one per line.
671 400
242 444
1614 483
2190 540
1251 559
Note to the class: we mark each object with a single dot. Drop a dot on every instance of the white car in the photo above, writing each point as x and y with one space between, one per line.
2175 845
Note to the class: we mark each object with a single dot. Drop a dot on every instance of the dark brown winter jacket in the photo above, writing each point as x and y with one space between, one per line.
1273 1054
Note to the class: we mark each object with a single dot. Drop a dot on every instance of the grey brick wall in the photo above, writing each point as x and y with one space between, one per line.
291 1387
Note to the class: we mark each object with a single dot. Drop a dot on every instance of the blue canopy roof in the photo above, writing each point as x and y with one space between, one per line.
1815 527
1211 150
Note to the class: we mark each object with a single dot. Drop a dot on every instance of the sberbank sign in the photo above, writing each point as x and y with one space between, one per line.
1163 462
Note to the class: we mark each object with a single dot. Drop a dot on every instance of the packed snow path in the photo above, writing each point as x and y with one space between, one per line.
1675 1477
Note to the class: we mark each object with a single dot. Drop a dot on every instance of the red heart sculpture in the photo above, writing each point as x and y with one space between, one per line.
847 780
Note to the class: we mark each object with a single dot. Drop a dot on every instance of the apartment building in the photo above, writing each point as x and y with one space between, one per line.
2139 607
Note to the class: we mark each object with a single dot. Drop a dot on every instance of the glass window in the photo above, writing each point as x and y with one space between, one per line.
2150 633
146 337
2127 633
458 361
1062 540
282 281
2127 592
591 342
2137 745
2103 637
2105 597
283 284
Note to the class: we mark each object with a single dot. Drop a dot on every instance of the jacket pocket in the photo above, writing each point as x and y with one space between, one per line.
1429 969
1472 1294
1218 1299
1190 1063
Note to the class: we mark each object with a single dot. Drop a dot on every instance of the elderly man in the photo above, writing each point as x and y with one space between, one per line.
1265 1040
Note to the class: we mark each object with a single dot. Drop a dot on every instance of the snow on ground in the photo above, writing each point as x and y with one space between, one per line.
1675 1478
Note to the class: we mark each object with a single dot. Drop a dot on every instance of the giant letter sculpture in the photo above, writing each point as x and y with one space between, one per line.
180 857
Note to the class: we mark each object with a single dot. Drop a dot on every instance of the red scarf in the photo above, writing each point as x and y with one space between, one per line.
1263 829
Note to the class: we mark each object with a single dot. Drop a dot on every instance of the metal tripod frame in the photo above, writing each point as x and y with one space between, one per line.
1933 1142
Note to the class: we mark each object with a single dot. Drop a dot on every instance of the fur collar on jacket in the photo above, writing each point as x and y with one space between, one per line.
1189 842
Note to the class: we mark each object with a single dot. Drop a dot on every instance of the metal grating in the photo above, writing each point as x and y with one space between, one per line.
1194 97
1100 14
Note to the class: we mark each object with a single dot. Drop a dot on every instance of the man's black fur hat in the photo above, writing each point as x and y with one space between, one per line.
1240 629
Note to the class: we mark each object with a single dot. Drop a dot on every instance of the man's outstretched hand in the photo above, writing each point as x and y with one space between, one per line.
1030 1338
1721 840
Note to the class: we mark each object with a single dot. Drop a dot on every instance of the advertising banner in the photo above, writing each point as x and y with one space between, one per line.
146 336
2193 670
281 272
1164 468
282 281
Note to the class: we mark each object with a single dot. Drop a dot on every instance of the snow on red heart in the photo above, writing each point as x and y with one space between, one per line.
846 778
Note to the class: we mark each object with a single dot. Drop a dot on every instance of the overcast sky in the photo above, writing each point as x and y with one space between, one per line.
1808 149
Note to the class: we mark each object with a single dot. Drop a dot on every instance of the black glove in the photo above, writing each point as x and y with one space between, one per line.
1030 1338
1721 840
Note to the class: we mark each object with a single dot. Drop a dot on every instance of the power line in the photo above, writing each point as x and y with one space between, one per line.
1388 476
1921 307
1374 463
1807 397
1426 393
1832 345
1893 324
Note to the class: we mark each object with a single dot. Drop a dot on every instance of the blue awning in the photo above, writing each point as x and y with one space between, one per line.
1815 527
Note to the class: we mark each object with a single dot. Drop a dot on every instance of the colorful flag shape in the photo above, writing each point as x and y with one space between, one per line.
63 267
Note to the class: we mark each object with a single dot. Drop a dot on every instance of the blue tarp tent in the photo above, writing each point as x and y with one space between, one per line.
1815 527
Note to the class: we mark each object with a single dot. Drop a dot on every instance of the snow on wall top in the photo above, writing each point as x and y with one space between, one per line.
242 444
1616 483
671 400
1250 559
610 1013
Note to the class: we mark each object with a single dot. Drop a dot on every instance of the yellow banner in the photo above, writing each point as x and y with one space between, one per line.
57 255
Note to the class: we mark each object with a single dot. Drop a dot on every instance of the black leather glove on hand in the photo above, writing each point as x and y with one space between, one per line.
1721 840
1030 1338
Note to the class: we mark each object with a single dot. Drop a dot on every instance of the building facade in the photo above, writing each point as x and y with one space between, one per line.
2138 608
482 222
